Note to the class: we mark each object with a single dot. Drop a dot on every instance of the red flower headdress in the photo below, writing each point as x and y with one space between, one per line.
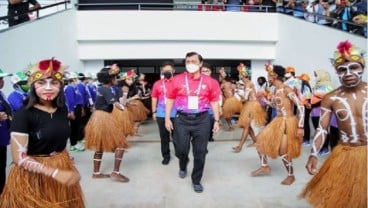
243 70
129 74
49 68
347 52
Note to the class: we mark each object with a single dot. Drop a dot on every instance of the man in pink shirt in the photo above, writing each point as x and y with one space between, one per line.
192 95
159 100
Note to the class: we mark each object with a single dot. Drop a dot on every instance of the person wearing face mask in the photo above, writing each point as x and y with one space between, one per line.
19 95
192 95
159 100
342 179
74 103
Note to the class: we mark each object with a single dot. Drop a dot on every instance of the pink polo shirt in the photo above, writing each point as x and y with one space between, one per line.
184 85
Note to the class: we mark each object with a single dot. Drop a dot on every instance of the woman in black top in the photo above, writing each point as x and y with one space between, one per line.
44 174
133 94
109 124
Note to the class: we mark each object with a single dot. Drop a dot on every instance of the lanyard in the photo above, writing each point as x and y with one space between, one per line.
164 88
187 86
113 90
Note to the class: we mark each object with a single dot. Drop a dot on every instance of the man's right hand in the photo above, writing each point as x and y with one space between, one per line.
312 165
67 177
168 125
3 116
154 116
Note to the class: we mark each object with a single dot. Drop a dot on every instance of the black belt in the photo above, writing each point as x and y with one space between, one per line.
193 115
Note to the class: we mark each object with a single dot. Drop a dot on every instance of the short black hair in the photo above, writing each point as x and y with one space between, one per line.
103 76
262 78
81 76
280 71
168 63
207 65
190 54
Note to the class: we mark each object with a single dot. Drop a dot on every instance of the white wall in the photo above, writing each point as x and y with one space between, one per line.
171 34
54 36
309 48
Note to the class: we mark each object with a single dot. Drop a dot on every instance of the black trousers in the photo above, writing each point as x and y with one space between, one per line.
17 19
164 136
212 122
306 125
76 126
2 167
196 131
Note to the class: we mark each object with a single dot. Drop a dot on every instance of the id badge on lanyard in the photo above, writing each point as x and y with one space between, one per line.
193 102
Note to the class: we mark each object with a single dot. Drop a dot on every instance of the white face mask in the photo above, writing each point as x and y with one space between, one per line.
191 68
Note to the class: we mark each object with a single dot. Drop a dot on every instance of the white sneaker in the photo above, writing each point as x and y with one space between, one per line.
80 146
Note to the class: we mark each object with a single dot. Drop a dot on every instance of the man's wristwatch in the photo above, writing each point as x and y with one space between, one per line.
217 120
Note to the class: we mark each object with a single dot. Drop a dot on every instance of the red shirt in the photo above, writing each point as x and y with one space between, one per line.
204 87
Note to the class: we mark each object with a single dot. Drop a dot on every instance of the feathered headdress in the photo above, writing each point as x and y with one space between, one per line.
49 68
222 72
269 69
243 70
347 52
129 74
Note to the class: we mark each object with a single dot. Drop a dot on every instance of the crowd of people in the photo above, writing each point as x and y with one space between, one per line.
318 11
51 105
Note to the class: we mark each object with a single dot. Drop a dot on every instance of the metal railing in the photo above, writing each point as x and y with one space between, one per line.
362 29
4 19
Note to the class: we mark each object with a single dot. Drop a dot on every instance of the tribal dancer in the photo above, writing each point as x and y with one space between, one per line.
138 110
106 130
342 179
43 174
252 117
283 135
231 105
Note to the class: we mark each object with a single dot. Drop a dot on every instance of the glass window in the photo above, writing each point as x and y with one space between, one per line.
146 69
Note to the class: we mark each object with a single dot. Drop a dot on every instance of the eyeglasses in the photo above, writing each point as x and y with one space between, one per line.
205 71
347 68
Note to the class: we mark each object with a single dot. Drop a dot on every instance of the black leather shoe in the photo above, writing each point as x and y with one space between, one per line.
165 161
182 173
198 188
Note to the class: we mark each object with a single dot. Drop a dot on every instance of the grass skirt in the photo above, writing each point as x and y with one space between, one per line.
341 181
269 139
103 132
138 110
231 107
25 189
252 111
125 121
